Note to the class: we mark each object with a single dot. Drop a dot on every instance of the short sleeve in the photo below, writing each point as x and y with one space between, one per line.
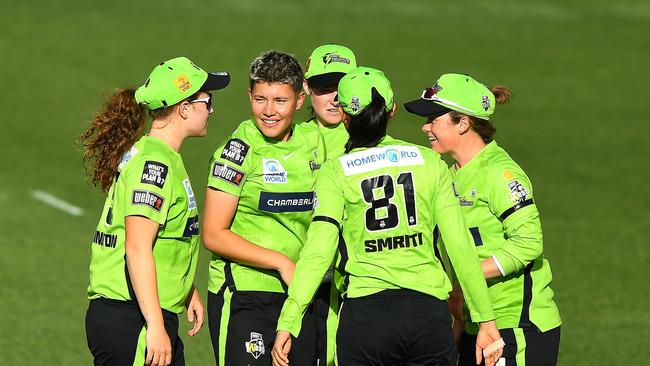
229 166
329 200
148 189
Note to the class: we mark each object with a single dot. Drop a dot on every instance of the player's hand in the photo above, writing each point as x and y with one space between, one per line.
286 270
456 302
159 348
194 311
281 348
488 334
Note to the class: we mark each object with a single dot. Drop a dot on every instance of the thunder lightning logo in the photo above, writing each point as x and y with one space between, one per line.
256 345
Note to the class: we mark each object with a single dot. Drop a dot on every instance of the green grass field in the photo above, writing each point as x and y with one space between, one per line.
577 125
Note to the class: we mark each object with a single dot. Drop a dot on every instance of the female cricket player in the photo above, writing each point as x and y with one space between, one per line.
326 65
258 207
145 249
378 204
496 198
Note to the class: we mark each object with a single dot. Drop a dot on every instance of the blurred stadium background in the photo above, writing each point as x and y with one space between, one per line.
577 125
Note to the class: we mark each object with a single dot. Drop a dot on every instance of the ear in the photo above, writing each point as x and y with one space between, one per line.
391 113
250 94
305 87
301 99
463 125
184 109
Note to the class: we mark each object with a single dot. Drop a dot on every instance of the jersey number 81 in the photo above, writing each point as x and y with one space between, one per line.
383 186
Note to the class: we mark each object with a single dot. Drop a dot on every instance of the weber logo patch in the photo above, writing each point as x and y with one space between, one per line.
235 151
225 172
154 173
147 198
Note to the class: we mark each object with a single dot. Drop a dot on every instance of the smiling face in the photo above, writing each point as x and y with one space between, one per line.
325 107
443 134
273 106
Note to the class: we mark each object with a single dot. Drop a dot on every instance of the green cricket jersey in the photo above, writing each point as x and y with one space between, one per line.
274 182
496 198
151 182
335 138
387 200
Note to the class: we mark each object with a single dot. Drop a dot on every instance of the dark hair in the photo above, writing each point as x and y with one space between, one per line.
276 67
483 127
369 126
113 130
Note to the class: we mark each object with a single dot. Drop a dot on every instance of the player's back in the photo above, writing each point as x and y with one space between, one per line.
391 194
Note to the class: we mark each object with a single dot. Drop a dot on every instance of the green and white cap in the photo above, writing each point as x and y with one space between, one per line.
327 64
454 92
355 89
176 79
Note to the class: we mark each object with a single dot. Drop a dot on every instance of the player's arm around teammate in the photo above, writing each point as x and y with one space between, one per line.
145 249
496 198
258 206
395 310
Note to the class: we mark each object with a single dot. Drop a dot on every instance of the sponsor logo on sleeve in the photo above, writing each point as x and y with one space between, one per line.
154 173
191 227
191 199
235 151
381 157
274 172
286 201
256 345
227 173
518 192
147 198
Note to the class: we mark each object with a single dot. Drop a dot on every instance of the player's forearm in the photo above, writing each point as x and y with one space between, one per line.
227 244
490 268
315 259
142 272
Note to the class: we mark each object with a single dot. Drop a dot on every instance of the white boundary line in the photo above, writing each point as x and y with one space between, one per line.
55 202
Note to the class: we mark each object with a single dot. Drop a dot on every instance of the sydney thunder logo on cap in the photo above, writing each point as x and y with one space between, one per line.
330 57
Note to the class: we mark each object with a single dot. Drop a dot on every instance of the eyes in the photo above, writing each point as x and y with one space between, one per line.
261 100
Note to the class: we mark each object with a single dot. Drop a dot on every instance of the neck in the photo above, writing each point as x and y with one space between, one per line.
468 148
322 124
163 130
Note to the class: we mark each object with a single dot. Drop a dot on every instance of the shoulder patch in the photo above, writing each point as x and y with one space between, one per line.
227 173
235 151
154 173
518 192
147 198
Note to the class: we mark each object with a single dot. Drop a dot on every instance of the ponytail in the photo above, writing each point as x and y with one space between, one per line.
502 94
113 130
369 126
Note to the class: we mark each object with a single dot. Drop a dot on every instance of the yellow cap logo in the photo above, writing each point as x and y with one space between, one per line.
182 83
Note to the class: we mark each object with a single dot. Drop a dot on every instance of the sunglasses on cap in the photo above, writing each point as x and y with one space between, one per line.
430 94
207 101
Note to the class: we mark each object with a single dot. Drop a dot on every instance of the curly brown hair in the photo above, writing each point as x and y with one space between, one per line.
113 130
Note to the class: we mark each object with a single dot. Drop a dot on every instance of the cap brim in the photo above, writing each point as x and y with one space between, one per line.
216 81
426 108
325 80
